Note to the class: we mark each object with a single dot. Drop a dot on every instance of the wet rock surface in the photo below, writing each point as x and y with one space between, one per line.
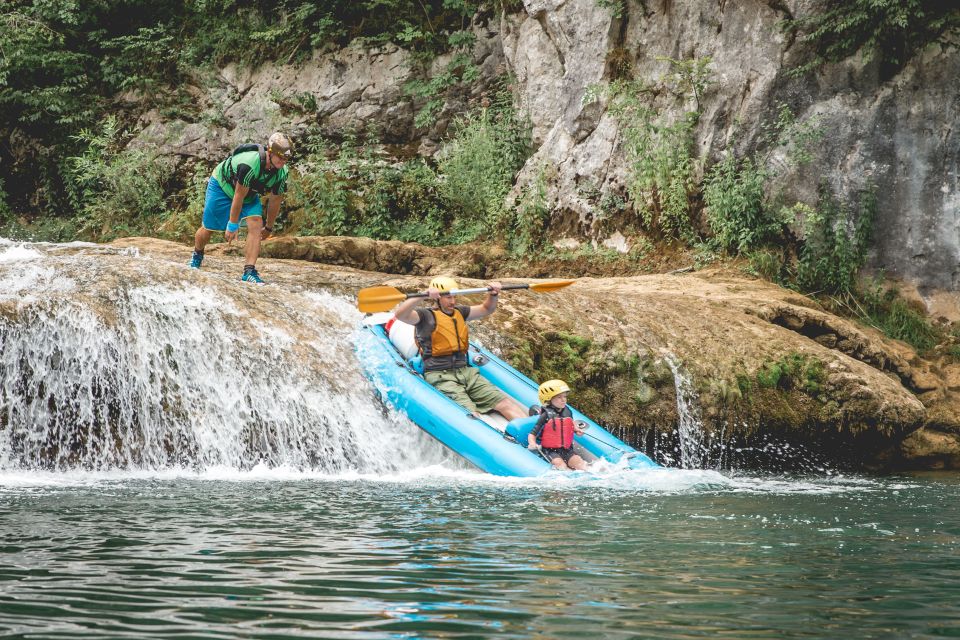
765 362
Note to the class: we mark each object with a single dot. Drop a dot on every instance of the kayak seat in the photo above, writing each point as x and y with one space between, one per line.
416 363
520 428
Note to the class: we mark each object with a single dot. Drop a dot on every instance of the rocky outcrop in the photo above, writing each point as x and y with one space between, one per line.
896 135
764 362
357 90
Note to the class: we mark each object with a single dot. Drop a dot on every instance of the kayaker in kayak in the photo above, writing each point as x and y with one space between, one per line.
443 338
555 429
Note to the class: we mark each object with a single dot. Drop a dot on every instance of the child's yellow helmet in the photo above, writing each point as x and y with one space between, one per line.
444 284
551 388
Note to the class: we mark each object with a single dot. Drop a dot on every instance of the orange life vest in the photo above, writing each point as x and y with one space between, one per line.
446 346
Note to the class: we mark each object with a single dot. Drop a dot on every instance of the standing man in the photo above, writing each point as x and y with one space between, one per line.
444 339
233 196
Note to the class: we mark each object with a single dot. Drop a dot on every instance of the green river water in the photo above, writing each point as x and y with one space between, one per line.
455 554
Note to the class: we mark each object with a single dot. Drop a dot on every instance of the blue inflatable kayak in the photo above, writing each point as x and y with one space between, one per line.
491 443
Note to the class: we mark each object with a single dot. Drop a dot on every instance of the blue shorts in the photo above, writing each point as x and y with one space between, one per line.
216 207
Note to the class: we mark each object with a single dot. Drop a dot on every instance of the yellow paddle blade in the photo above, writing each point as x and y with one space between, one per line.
551 286
376 299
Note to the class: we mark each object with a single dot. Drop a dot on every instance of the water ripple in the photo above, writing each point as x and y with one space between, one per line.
469 557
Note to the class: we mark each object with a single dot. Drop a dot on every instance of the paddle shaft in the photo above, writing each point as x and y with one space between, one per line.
384 298
463 292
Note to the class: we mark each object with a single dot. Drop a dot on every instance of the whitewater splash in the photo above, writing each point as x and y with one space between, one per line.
111 360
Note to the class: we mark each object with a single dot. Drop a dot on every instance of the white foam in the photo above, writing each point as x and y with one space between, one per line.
19 253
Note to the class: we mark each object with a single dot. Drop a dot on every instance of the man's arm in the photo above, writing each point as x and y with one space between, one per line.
406 311
273 209
236 205
489 305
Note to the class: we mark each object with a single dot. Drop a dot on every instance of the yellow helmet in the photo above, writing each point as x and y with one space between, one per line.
444 284
551 388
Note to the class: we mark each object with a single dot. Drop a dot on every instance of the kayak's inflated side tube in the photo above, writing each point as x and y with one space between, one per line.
440 416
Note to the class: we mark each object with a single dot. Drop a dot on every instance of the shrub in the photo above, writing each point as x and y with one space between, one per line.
477 166
663 181
529 222
892 30
403 203
459 71
895 317
181 224
357 193
834 245
117 190
738 210
322 196
735 206
60 61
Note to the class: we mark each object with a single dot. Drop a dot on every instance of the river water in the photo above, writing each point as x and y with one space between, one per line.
183 456
439 552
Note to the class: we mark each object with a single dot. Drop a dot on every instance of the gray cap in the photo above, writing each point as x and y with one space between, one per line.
280 145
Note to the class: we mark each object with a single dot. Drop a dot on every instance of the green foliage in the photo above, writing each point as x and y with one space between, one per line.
61 62
528 226
321 190
688 78
478 165
141 60
767 264
403 203
459 71
799 138
738 210
886 310
181 224
116 190
663 182
617 7
793 371
358 193
835 244
891 30
661 166
5 212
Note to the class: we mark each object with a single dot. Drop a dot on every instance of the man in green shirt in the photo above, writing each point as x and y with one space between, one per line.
233 197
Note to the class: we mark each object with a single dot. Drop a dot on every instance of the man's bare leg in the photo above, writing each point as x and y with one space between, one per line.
254 233
201 238
510 409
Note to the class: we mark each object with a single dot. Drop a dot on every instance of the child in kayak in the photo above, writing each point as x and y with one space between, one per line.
555 428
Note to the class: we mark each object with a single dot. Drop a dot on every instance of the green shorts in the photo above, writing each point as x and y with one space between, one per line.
466 387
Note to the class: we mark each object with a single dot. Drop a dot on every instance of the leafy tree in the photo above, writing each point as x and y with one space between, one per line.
63 61
891 30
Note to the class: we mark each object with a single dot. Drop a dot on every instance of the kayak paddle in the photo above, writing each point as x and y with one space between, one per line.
384 298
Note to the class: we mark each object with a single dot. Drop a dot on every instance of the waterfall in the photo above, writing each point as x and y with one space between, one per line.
694 448
112 360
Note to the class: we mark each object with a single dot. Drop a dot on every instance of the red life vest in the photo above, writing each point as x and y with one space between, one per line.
557 432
